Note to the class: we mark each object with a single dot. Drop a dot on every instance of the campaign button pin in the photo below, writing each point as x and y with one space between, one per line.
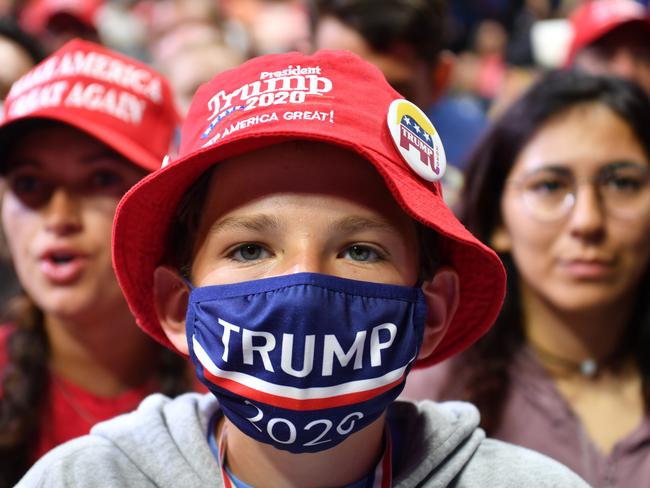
416 140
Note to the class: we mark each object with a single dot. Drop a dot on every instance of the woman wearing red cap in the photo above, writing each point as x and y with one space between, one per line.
561 189
79 130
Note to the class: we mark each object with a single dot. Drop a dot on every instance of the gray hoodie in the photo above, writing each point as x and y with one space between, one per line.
164 444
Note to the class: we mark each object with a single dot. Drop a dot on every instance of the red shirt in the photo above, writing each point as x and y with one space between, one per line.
70 411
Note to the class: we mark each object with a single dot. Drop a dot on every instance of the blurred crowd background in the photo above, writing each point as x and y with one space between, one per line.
493 49
466 63
499 45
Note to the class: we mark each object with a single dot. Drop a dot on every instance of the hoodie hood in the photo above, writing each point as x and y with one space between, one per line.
166 439
163 444
442 439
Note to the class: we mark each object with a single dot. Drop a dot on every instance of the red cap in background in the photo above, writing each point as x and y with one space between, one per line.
118 100
596 18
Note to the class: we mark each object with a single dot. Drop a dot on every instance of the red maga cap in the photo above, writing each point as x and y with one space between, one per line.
118 100
595 18
333 97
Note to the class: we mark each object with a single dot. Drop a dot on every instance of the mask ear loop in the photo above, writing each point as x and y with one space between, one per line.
422 278
186 280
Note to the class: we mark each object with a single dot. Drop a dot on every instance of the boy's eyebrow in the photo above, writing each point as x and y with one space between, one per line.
357 224
264 222
257 223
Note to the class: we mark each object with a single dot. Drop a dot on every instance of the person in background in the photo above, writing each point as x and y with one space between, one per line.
560 187
612 37
405 39
301 254
55 22
489 47
79 129
188 46
256 27
19 53
190 56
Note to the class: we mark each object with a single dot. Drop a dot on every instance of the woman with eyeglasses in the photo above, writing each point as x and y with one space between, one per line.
560 187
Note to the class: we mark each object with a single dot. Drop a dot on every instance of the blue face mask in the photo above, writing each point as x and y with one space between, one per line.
303 361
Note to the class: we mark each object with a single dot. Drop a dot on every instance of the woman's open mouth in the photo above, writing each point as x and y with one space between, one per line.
62 267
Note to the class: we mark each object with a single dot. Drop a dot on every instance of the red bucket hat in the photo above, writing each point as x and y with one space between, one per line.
593 19
115 99
333 97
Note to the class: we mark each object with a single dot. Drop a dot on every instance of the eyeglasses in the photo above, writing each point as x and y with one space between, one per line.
550 193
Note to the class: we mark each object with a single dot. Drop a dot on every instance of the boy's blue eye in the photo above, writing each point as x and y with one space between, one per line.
249 252
361 253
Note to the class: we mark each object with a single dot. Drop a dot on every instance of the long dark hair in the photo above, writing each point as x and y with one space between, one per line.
25 378
486 363
25 386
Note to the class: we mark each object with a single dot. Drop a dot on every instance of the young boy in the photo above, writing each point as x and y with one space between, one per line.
299 251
